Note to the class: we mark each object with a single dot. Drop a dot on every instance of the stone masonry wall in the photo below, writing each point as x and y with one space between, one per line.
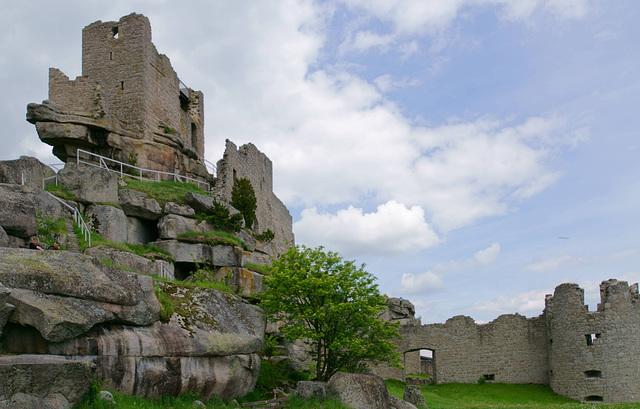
595 355
510 349
248 162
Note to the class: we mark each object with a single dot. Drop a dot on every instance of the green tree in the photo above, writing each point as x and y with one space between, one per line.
332 305
243 198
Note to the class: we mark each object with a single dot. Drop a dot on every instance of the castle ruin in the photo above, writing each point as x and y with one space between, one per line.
591 356
130 106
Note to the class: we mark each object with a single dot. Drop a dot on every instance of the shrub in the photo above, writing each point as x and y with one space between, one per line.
243 198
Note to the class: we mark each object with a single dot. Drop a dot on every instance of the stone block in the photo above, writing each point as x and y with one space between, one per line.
180 210
90 184
137 204
108 221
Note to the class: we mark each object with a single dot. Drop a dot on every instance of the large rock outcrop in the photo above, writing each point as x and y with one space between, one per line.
64 294
72 305
90 184
20 206
26 171
359 391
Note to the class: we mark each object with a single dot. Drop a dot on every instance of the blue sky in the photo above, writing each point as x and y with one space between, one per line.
473 153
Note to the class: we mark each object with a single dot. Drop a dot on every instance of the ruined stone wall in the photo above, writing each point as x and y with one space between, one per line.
113 55
510 349
248 162
77 95
595 355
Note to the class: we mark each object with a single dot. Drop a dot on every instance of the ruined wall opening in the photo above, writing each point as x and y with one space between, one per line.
115 33
419 365
194 136
594 398
489 377
591 338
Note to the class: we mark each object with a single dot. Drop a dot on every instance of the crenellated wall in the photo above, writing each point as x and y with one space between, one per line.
586 355
595 355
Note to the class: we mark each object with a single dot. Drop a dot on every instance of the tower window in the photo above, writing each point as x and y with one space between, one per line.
115 33
121 84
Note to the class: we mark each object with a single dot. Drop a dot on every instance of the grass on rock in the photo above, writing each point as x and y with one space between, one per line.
212 238
165 191
149 252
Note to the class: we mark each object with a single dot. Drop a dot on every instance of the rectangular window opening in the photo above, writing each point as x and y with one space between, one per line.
115 33
593 374
489 377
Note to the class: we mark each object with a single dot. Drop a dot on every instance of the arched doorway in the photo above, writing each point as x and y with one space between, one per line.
420 364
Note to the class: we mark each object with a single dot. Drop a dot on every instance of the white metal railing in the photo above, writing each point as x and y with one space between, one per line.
77 217
165 272
210 166
136 172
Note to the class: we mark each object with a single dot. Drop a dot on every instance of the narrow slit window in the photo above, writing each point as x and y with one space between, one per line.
121 84
110 55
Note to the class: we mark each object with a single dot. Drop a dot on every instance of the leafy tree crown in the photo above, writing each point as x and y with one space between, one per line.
333 305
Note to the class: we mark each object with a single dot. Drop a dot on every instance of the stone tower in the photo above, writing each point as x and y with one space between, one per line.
128 105
595 355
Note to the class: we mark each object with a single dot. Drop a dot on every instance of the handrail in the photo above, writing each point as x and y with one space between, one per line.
103 164
77 217
210 166
165 272
49 178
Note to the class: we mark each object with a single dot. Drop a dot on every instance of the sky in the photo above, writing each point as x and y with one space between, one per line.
474 154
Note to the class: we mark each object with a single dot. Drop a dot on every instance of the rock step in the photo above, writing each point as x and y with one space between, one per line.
72 239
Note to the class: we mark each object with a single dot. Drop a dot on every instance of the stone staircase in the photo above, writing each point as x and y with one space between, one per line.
72 239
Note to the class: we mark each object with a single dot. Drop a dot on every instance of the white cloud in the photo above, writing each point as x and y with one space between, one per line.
391 230
434 18
488 256
553 263
424 283
530 303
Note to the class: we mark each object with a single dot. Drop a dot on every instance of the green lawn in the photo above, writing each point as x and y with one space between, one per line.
497 395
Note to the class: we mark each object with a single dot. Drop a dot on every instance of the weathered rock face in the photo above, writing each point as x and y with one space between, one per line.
125 260
180 210
17 211
311 389
397 403
413 395
26 169
202 253
72 305
64 294
137 204
89 184
4 238
244 281
36 381
400 310
199 203
108 221
172 225
5 307
359 391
